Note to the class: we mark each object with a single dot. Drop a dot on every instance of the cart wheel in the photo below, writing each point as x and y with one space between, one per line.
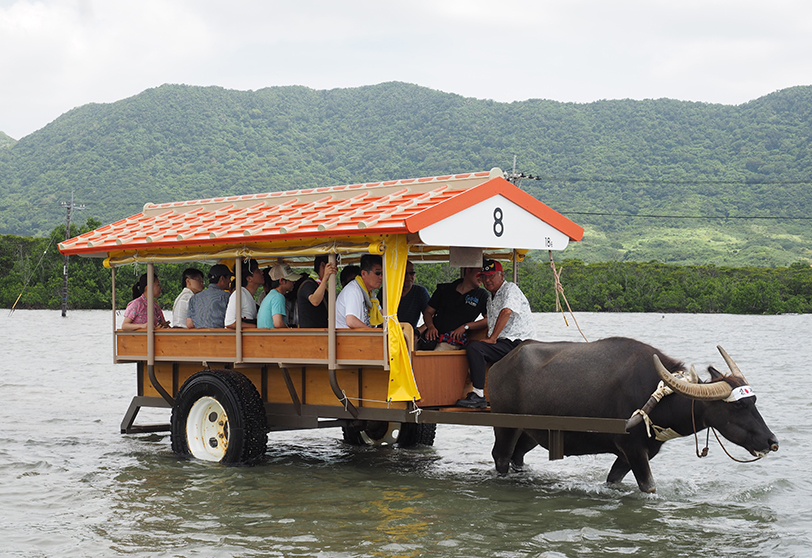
416 434
378 433
218 416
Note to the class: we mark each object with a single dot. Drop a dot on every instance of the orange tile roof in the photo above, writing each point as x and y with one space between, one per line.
393 207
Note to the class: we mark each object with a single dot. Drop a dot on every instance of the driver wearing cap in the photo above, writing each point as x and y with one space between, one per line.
509 323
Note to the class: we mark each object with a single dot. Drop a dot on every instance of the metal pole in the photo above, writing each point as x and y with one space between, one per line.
69 207
385 311
65 268
515 266
238 306
150 315
115 346
331 316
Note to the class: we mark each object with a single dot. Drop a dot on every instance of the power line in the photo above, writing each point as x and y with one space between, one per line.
515 177
705 217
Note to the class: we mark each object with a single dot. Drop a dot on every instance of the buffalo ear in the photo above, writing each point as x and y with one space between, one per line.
715 374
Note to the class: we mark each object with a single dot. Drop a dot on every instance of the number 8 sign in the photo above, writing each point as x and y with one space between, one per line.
498 226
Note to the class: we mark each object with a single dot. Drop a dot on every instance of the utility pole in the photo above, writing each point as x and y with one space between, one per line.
513 177
69 207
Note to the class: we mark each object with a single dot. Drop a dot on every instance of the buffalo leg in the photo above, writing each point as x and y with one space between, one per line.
503 447
524 444
642 472
619 470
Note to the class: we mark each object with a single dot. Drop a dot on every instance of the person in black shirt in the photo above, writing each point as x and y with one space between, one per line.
311 298
413 298
452 312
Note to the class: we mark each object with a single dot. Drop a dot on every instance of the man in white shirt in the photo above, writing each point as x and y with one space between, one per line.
510 322
356 300
252 279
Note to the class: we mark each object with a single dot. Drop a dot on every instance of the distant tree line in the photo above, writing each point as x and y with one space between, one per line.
34 274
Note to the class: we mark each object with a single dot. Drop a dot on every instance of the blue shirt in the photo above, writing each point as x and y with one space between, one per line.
272 304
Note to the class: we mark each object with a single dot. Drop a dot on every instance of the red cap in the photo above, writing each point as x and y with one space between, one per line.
489 267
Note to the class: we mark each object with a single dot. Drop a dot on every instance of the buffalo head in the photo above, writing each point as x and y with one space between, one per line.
730 406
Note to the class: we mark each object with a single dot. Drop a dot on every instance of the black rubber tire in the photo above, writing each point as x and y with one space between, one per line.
246 425
378 433
352 435
416 434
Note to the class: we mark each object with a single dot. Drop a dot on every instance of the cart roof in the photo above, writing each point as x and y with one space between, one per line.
479 209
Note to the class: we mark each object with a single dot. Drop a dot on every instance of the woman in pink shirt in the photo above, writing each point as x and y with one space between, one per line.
135 316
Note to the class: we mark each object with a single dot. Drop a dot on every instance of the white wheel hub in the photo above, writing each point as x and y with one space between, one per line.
388 439
207 430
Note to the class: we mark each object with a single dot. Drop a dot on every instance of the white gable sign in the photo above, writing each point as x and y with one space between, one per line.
494 223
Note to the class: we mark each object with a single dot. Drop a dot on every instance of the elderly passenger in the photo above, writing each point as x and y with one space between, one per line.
509 323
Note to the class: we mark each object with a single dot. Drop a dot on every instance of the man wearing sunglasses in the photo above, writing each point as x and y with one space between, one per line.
356 305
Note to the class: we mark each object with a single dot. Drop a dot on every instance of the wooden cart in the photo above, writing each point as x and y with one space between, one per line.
228 388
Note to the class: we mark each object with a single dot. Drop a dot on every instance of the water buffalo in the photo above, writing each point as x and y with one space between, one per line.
612 378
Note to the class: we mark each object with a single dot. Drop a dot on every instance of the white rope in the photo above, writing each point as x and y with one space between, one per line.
416 411
346 399
661 434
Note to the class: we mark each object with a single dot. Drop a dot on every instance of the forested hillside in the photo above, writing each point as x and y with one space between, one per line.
665 180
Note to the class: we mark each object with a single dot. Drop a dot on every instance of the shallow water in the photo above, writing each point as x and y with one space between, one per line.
71 485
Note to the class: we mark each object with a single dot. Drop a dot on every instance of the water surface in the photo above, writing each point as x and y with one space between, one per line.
71 485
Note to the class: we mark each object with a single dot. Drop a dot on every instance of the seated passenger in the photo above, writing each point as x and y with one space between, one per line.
356 305
272 311
349 273
452 313
191 283
135 316
252 280
413 298
311 299
510 322
207 309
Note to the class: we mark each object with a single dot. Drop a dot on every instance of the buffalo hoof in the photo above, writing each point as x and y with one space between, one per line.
648 488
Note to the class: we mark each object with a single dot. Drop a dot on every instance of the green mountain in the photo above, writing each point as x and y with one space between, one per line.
6 141
675 181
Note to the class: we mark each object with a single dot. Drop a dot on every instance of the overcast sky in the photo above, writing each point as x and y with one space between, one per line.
59 54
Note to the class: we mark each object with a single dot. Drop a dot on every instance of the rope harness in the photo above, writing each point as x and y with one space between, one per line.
664 434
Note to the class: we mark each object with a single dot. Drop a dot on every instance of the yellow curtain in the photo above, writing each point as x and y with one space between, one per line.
402 386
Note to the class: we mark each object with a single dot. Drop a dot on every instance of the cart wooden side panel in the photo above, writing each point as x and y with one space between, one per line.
291 346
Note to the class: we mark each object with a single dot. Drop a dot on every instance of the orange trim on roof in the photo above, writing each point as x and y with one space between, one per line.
494 187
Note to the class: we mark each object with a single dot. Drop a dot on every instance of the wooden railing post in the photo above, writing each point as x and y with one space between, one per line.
238 309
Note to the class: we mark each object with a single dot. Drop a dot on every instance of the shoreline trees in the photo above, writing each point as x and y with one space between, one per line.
34 266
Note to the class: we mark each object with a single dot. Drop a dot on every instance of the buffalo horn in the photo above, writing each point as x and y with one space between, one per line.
730 364
706 392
